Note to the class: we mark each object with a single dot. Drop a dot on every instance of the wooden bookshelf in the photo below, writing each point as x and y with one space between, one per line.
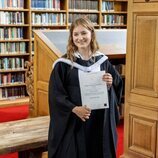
99 11
47 15
14 51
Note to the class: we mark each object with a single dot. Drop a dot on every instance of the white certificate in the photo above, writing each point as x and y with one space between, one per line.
94 93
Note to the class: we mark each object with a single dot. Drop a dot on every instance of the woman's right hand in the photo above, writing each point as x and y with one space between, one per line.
82 112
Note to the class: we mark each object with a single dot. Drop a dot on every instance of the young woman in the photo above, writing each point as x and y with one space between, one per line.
75 130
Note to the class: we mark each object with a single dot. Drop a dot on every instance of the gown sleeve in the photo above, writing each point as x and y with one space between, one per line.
115 92
117 85
58 97
60 108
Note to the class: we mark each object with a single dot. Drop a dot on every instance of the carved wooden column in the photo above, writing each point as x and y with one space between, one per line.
29 80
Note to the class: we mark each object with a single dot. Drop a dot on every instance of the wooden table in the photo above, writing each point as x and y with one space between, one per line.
28 137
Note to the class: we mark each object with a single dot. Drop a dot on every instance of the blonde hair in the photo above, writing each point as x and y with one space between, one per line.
71 48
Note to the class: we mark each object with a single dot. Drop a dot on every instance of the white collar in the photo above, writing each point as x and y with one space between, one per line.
83 68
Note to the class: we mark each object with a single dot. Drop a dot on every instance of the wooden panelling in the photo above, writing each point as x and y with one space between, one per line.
143 112
43 60
141 90
145 54
44 65
142 136
45 155
42 103
144 1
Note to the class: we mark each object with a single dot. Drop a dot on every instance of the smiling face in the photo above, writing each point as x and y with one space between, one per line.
81 37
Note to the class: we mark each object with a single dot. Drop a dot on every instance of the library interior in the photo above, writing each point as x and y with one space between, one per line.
34 34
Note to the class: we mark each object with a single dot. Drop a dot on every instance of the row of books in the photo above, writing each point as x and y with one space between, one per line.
83 4
12 92
113 19
11 17
48 19
92 17
13 47
11 4
12 78
11 63
9 33
107 6
45 4
120 68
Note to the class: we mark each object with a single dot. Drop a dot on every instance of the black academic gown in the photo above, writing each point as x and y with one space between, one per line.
69 137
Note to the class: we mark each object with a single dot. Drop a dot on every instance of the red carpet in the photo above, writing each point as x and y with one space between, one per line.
14 113
120 139
22 112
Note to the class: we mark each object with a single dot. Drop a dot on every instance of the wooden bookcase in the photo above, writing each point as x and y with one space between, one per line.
49 14
99 11
14 51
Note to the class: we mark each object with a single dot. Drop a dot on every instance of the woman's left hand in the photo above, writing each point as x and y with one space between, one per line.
107 77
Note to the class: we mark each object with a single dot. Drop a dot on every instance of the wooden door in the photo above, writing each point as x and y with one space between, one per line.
141 100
